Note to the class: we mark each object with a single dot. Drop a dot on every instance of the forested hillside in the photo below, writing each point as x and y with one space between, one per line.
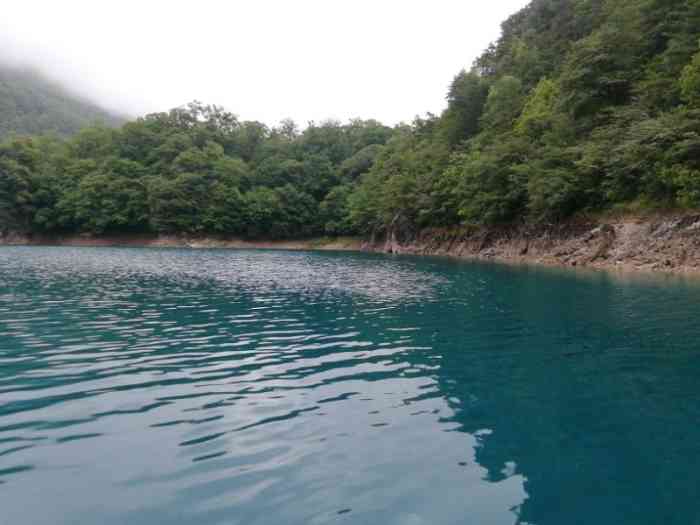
196 169
581 106
31 104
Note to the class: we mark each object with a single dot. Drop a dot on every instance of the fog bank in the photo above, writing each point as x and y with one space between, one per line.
268 60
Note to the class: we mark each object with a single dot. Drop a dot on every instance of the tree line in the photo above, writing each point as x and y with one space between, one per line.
581 106
196 170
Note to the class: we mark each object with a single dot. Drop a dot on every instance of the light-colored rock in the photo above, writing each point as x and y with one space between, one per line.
668 243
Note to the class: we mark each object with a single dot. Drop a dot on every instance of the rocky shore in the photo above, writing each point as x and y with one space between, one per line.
668 243
664 243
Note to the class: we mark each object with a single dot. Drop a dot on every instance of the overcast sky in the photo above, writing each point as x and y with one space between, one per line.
262 59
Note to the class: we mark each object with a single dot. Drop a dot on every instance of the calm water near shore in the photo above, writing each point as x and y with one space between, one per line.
167 386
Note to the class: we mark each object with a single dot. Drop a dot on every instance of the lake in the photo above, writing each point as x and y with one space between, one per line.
166 386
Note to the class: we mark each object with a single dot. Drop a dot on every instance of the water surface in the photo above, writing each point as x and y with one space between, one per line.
149 386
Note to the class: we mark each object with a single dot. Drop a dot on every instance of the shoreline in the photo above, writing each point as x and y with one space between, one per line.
181 241
664 243
668 243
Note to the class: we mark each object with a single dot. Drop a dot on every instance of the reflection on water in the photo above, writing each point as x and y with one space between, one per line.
254 387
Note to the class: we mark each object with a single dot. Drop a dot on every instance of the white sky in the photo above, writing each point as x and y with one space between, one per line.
262 59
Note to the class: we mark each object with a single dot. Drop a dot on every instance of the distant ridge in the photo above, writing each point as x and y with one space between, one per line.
32 104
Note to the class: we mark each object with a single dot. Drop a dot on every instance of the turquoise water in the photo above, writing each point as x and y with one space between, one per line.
147 386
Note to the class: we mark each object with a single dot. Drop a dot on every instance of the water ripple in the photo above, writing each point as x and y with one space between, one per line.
172 386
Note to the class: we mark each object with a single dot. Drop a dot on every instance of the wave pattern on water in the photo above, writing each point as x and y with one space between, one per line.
254 387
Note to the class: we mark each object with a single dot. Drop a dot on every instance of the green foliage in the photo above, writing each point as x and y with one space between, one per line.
539 112
103 203
334 211
555 188
503 105
686 182
488 183
361 162
584 111
581 105
195 169
465 104
600 71
401 187
671 29
690 82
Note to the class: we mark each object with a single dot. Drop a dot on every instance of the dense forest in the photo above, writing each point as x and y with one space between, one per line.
31 104
581 106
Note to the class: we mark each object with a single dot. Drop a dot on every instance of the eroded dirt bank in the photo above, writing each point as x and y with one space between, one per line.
668 243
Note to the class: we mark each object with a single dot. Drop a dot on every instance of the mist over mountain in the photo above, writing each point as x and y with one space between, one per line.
31 103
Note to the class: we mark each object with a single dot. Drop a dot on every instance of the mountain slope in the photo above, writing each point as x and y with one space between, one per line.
32 104
582 106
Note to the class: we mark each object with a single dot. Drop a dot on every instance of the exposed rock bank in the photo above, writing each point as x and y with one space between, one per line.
668 243
664 243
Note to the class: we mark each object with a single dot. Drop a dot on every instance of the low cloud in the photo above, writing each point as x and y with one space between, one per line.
267 60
